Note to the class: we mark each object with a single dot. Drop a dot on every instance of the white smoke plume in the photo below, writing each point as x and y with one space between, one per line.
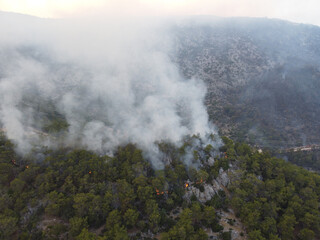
112 80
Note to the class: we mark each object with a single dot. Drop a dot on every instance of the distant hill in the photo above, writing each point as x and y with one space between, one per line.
263 77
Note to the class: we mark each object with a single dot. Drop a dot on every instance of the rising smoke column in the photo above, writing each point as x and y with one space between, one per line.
112 80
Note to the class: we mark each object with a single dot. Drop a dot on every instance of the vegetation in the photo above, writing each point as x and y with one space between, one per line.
307 159
76 194
80 195
275 199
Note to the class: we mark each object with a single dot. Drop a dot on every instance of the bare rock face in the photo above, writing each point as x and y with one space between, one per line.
216 185
235 234
206 195
211 161
209 188
223 178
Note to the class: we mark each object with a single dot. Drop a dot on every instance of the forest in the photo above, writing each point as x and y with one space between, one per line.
307 159
77 194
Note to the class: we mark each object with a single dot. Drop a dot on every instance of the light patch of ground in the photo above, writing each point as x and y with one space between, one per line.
175 212
237 227
49 221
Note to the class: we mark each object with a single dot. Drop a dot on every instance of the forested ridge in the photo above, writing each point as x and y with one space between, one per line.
77 194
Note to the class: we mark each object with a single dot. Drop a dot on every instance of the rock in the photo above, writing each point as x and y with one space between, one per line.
235 234
211 161
206 195
223 179
216 186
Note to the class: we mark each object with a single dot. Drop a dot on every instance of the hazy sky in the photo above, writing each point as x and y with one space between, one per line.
305 11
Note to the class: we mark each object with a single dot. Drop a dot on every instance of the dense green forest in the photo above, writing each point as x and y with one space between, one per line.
77 194
275 199
307 159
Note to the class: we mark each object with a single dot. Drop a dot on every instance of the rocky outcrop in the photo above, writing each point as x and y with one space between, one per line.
223 178
208 189
206 195
210 161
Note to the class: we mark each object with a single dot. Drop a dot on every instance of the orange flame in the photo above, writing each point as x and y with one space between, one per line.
159 193
201 181
90 172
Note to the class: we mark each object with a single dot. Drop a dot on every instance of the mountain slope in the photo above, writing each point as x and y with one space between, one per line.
237 193
263 77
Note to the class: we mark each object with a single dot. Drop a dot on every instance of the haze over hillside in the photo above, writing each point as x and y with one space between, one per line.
263 77
107 128
99 83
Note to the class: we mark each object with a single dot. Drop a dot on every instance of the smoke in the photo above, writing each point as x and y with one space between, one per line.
111 80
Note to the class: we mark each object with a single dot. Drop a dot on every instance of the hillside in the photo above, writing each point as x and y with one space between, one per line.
236 193
106 129
263 77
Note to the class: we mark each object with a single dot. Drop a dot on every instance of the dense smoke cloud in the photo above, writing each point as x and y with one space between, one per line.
112 80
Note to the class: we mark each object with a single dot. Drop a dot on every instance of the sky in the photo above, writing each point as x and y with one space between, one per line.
302 11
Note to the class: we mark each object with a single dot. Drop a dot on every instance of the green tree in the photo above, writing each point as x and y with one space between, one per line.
8 226
86 235
76 224
311 221
125 194
114 227
196 213
131 217
113 218
200 235
286 226
17 185
209 215
255 235
145 193
82 203
152 211
269 226
306 234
